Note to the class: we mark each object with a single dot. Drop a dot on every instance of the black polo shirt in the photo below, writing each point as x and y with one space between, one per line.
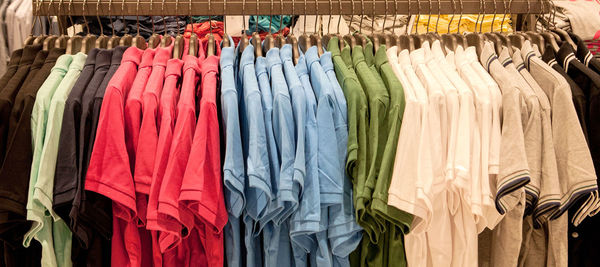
65 178
10 90
11 68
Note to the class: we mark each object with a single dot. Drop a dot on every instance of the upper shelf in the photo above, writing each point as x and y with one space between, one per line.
299 7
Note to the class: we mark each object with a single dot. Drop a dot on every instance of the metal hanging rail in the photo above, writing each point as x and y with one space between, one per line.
294 7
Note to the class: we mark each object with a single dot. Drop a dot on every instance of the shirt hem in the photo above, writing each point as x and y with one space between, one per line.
111 192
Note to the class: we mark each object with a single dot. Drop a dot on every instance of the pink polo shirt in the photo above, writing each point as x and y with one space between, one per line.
202 187
109 171
170 216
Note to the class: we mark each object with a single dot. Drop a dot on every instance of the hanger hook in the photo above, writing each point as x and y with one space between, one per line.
527 14
317 16
257 9
37 16
373 17
280 18
225 19
362 15
428 16
395 17
409 15
210 19
112 25
87 26
482 16
351 16
453 3
439 14
305 16
384 17
243 15
152 18
339 16
162 9
98 18
494 17
330 15
177 16
123 17
418 16
270 16
460 2
70 17
503 16
48 18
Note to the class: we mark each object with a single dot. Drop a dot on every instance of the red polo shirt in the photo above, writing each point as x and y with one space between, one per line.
109 171
170 216
202 187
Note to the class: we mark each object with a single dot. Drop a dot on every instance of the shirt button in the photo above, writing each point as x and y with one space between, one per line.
575 235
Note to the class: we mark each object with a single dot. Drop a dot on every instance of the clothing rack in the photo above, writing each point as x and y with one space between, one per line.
293 7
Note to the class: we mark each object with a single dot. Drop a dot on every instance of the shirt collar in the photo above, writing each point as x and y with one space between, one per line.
247 56
103 58
550 57
312 56
381 57
326 62
39 60
147 58
301 67
163 54
15 57
260 65
227 56
91 57
565 55
78 61
286 52
334 46
124 53
53 55
190 62
488 55
63 62
29 53
174 66
583 53
273 58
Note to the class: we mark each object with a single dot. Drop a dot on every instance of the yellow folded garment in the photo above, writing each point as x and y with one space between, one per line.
467 23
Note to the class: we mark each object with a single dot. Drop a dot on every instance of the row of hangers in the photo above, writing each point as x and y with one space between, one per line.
76 43
550 34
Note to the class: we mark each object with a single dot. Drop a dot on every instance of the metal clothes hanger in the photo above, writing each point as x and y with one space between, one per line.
226 41
418 39
435 34
405 41
490 35
244 39
154 39
374 36
449 40
349 38
516 39
39 39
326 37
360 38
537 38
256 40
127 39
387 41
304 39
211 44
269 39
114 39
548 36
179 44
315 38
474 38
338 33
280 39
50 41
193 42
63 39
501 36
74 43
166 39
461 39
562 34
139 41
89 41
31 38
102 40
393 38
291 39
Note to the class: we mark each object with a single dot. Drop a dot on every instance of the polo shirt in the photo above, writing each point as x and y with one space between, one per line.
178 222
491 133
259 192
344 234
362 195
283 129
43 190
16 169
109 161
233 162
463 222
407 193
274 208
514 170
134 106
202 186
37 64
549 173
577 177
277 247
41 229
9 92
65 179
305 221
299 106
99 215
584 55
11 68
148 129
399 220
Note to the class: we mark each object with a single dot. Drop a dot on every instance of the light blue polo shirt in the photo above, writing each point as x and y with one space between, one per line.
343 232
274 207
277 241
233 163
256 200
